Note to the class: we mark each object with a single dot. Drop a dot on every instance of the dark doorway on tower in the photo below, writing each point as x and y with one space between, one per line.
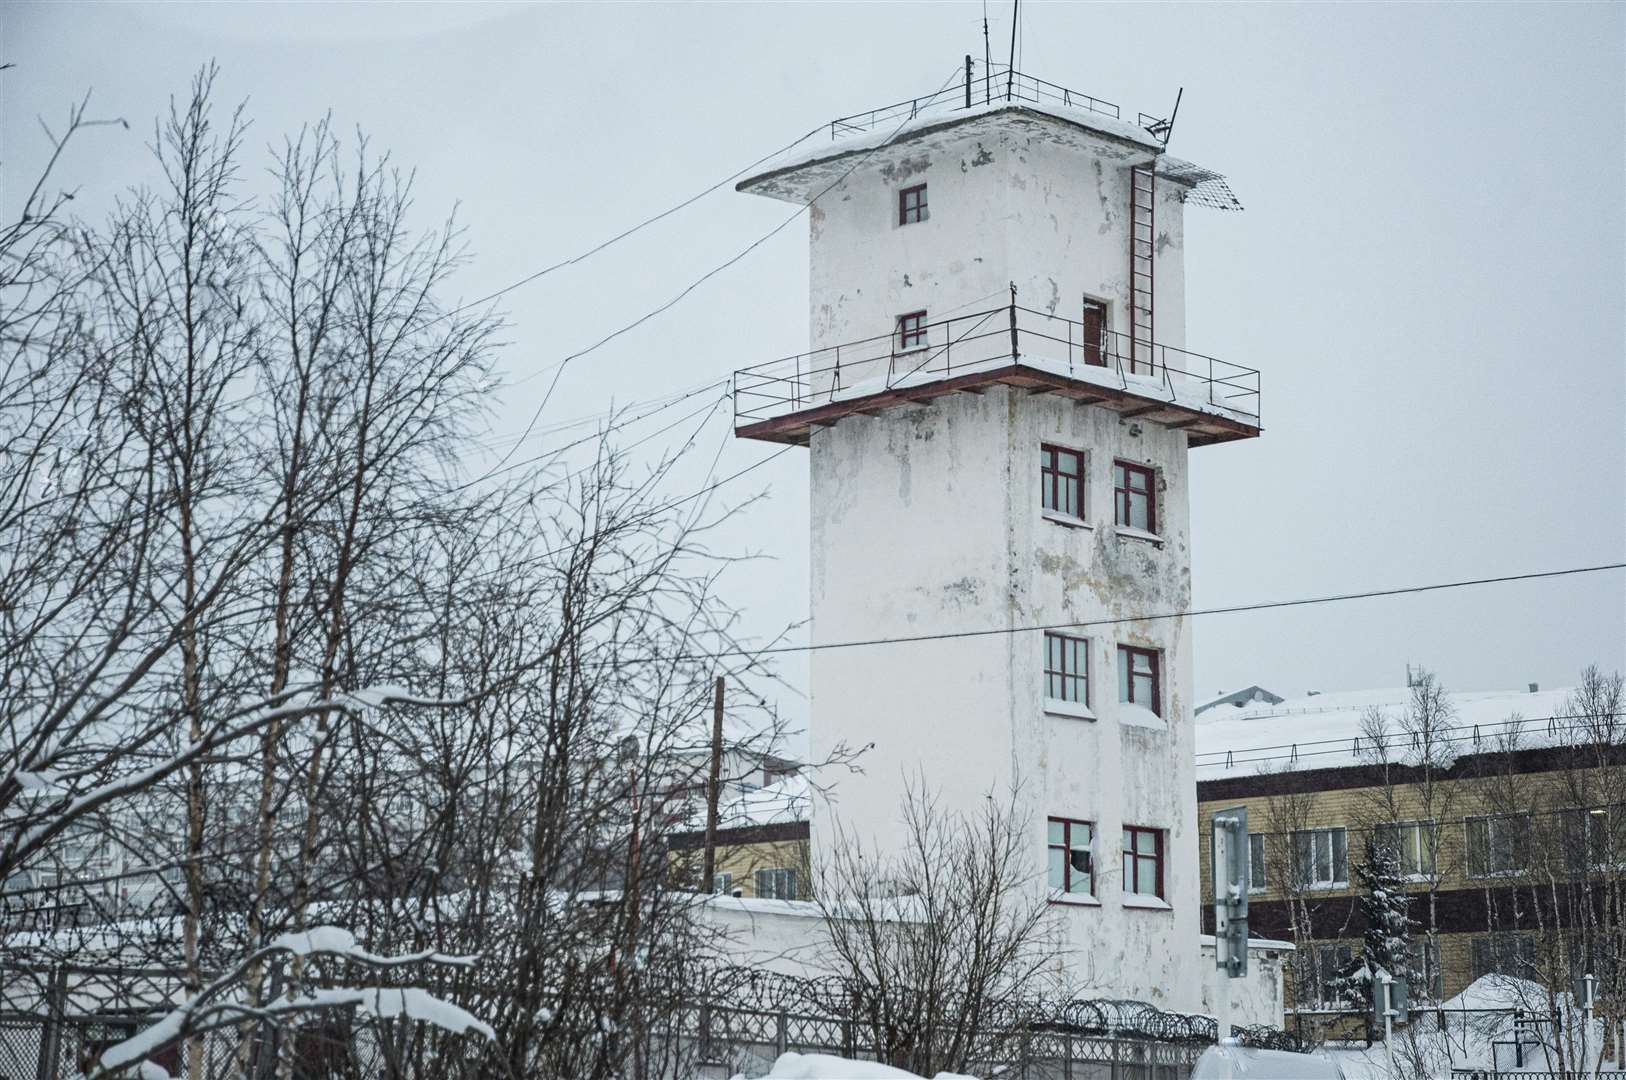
1095 333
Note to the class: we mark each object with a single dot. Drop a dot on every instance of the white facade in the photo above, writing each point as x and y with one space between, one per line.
926 519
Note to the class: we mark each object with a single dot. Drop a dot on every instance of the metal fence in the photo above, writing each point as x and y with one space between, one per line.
715 1022
699 1041
1526 1074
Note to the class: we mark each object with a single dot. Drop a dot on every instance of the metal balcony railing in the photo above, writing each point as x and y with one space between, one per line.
985 342
996 84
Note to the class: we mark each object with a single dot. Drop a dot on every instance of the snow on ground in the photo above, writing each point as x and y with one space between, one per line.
825 1067
1323 731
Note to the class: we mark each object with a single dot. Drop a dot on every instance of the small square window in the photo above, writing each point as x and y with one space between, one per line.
722 883
1143 861
1138 681
1067 669
1132 494
912 205
912 331
1061 480
1072 867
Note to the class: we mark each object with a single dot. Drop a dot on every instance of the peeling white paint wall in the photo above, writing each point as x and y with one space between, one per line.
929 521
1011 198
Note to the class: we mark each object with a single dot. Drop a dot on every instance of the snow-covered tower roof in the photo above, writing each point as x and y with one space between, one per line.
997 170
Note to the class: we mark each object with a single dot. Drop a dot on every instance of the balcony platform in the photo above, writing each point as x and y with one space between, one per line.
1037 353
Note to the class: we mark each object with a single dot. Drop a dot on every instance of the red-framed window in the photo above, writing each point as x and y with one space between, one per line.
912 330
1061 480
1138 678
1134 494
1066 668
1072 865
1143 861
912 205
1095 333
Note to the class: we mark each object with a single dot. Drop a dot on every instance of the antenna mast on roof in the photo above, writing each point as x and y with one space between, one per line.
1164 128
987 58
1010 68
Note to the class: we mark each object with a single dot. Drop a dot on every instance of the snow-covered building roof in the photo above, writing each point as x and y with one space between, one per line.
1249 695
782 802
1324 731
818 161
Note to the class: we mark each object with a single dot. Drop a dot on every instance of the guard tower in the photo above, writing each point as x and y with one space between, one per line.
998 405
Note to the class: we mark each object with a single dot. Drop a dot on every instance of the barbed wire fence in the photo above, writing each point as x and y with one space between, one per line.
747 1019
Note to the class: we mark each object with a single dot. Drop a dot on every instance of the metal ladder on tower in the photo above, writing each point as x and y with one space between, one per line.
1142 246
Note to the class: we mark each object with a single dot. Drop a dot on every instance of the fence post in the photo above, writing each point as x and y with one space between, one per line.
1115 1072
781 1036
56 1009
1016 353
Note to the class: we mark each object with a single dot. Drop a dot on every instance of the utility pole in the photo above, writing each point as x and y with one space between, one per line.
708 865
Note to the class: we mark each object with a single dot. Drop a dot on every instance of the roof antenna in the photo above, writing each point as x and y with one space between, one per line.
1164 128
1010 68
987 58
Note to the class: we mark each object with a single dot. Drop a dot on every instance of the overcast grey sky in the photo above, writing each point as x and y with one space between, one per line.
1430 272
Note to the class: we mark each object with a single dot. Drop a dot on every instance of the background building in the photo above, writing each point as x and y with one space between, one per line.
1504 808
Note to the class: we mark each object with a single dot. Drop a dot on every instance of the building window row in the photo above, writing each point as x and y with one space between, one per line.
1072 861
1497 845
1061 488
1067 673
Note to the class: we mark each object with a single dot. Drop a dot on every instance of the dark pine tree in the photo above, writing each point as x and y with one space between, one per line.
1388 924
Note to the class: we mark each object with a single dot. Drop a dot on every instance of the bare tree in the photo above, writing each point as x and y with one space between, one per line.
401 745
1289 814
927 940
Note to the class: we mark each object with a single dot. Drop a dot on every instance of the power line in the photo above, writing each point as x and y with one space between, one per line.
620 236
1267 605
714 271
956 635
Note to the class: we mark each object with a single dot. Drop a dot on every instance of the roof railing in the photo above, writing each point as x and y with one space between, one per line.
996 84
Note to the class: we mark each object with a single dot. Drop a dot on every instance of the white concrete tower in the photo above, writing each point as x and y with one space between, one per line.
986 459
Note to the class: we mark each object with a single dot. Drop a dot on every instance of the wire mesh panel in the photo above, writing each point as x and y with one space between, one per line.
22 1041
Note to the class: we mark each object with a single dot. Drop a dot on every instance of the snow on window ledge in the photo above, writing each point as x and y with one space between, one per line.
1073 710
1067 520
1134 715
1075 899
1129 532
1146 903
